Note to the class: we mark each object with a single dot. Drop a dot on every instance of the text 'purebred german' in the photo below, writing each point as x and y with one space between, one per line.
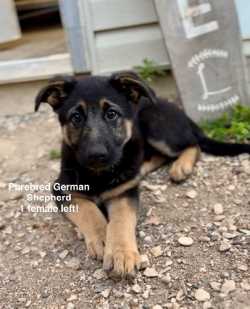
115 131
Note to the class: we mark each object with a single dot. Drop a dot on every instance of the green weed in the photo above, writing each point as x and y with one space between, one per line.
149 70
54 154
234 126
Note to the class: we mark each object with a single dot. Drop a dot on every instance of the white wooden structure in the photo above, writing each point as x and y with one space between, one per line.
204 45
116 34
8 22
104 36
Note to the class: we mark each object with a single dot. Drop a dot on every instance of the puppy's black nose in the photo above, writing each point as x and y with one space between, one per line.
98 153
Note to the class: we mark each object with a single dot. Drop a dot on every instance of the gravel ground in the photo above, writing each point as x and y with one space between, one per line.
194 237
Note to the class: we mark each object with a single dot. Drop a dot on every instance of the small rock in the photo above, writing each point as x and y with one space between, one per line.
70 306
63 254
150 272
204 239
72 298
218 209
218 219
26 250
42 254
156 251
229 235
142 234
157 307
136 288
246 166
168 262
166 279
8 230
243 267
99 274
28 303
192 194
145 295
144 261
82 276
179 295
215 285
224 246
153 220
245 285
73 263
207 305
202 295
106 293
148 239
185 241
228 286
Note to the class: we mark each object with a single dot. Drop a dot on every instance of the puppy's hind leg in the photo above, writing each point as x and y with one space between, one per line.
184 165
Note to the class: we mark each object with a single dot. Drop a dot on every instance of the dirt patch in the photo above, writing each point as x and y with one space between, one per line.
43 261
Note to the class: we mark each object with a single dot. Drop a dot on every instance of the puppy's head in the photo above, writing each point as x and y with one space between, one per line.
96 114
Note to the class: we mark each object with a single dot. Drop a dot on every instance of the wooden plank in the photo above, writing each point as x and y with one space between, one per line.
112 14
204 46
77 34
8 22
35 69
124 48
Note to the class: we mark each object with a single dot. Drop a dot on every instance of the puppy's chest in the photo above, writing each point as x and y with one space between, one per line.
101 183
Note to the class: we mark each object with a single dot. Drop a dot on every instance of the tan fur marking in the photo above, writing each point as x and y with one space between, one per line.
163 148
102 103
121 252
83 105
184 165
53 99
92 224
65 135
120 189
151 165
146 168
129 130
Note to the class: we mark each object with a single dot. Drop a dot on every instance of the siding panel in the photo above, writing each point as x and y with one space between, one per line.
112 14
123 49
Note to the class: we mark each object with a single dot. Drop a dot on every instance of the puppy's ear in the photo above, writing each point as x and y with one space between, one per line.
132 86
55 92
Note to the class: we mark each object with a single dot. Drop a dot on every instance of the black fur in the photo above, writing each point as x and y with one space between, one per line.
98 153
166 122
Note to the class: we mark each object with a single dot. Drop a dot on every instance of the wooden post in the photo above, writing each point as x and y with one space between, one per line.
9 26
76 33
204 44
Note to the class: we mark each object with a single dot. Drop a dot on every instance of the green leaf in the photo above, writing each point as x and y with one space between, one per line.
234 126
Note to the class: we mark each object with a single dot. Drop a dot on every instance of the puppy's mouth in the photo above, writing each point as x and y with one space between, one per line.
99 166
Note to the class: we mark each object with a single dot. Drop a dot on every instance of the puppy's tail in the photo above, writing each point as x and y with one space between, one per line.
217 148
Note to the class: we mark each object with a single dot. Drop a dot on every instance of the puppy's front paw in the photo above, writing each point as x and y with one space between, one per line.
95 241
95 248
180 170
121 261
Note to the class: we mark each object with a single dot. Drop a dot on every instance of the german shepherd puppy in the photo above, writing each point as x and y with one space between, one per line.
115 131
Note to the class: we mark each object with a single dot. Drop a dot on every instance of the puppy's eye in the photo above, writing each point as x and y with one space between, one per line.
111 115
76 118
